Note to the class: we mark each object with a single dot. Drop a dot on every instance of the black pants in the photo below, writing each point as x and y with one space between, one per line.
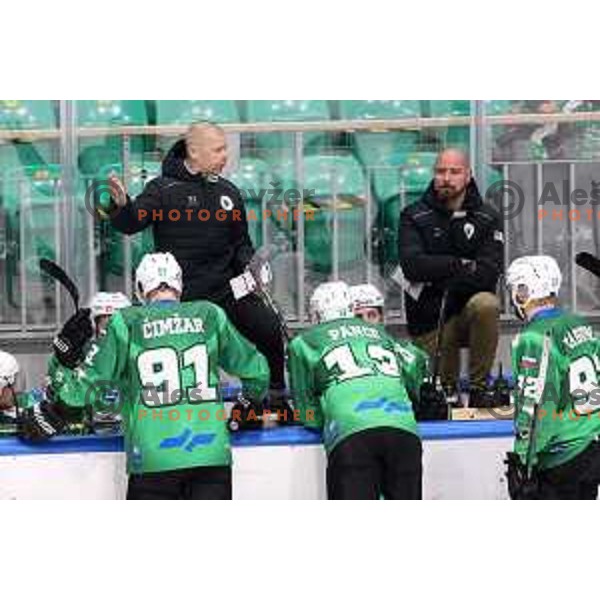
257 322
383 461
577 479
199 483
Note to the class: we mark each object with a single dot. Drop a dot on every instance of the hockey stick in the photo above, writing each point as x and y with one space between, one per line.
437 356
260 270
541 379
589 262
59 274
56 272
436 408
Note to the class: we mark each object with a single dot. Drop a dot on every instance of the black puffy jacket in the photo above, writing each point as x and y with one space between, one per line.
210 251
433 240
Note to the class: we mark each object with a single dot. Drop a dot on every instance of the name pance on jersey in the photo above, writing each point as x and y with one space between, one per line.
172 326
346 331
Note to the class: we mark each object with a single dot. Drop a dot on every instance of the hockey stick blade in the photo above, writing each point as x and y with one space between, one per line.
588 262
56 272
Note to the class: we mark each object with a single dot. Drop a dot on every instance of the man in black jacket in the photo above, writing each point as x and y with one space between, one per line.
199 217
451 240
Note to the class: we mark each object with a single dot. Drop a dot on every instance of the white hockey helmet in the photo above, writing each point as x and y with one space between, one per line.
155 270
331 301
9 369
532 278
105 304
366 295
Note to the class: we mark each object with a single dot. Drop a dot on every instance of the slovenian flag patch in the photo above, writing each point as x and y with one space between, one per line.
528 362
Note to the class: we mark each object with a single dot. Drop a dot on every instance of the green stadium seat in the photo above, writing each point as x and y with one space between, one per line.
27 115
449 108
498 107
379 109
453 135
41 181
31 195
325 175
406 183
96 152
277 147
375 148
418 172
259 111
106 113
184 112
328 174
251 176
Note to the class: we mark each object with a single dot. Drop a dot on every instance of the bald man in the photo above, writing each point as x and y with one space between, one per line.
451 240
199 217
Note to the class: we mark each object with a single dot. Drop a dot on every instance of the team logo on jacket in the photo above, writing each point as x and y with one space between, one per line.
226 203
469 230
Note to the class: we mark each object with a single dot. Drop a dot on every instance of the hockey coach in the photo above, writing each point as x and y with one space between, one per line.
199 217
451 241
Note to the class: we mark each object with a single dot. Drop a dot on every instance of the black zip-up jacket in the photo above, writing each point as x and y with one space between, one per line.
433 245
210 251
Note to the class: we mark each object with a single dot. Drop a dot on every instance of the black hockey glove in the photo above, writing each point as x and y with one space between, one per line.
71 342
41 421
520 486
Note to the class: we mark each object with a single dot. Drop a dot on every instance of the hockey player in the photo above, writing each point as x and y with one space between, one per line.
354 382
367 303
9 369
164 359
70 346
556 364
103 306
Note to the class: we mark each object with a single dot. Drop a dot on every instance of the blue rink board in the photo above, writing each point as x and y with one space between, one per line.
279 436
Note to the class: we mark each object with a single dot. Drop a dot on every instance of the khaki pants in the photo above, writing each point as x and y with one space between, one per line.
476 328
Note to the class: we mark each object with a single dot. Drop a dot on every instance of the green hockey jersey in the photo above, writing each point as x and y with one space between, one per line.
347 376
164 360
556 365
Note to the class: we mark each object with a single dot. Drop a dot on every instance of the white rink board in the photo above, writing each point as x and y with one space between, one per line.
453 469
